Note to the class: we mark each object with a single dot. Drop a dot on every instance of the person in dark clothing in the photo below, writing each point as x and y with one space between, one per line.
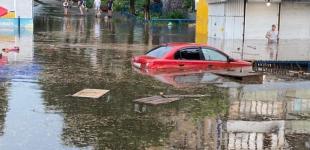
110 8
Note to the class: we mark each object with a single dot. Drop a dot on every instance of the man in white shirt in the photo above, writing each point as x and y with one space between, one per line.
97 7
272 35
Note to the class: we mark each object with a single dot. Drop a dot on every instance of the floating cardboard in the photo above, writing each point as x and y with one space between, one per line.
156 100
91 93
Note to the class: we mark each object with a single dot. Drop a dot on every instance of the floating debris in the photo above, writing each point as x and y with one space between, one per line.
14 49
156 100
91 93
164 99
248 77
184 96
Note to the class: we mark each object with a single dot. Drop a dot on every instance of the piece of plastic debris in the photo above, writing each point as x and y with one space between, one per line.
14 49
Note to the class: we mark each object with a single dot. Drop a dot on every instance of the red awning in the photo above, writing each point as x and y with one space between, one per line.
3 11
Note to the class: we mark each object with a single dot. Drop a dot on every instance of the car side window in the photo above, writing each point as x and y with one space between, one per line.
213 55
159 52
188 54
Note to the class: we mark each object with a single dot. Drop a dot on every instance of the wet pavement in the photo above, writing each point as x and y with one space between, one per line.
67 54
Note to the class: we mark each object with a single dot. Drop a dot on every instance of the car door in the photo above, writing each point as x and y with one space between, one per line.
189 58
213 58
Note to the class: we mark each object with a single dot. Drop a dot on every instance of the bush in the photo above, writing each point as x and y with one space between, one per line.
175 15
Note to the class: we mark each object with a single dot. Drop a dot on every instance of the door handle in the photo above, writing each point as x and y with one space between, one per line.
210 66
181 65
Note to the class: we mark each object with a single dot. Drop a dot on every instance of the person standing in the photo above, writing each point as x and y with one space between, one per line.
66 7
97 7
110 8
272 35
81 6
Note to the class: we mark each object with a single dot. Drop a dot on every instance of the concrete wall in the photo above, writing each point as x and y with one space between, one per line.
259 19
24 8
226 19
295 22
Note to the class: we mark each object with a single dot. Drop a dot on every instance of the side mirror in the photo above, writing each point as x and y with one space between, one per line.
230 59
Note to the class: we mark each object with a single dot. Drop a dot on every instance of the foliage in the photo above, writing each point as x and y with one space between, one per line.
189 3
174 15
123 5
89 3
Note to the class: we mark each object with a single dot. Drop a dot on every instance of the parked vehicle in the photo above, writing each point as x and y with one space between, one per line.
186 56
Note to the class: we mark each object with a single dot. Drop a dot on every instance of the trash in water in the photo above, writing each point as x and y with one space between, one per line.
14 49
163 99
91 93
156 100
184 96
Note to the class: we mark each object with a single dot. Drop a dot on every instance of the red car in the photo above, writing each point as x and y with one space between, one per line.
186 56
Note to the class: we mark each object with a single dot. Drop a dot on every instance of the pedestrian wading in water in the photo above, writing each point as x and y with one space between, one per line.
66 7
97 4
81 5
110 8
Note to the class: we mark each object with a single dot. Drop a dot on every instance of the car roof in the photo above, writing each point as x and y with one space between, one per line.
181 44
176 46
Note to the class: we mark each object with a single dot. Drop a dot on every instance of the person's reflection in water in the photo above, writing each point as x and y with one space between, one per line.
97 29
97 37
81 24
67 27
108 23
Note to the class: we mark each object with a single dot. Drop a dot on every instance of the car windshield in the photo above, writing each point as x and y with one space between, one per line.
159 52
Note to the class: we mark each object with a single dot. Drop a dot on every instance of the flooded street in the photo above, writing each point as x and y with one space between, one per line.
64 55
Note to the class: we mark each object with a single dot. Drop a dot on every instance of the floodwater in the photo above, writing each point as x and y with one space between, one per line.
65 55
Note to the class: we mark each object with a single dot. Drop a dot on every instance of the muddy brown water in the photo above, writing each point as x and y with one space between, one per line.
65 55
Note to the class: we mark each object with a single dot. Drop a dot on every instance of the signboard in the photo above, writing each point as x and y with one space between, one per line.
16 14
16 9
7 9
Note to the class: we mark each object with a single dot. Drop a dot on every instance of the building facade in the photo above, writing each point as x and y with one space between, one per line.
251 19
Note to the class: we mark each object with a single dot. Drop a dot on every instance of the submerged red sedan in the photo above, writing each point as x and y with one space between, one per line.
186 56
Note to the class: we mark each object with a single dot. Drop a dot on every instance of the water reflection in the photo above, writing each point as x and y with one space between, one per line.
23 122
268 117
3 106
184 78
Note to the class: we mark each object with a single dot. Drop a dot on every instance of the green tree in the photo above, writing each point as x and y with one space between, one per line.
132 7
147 15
